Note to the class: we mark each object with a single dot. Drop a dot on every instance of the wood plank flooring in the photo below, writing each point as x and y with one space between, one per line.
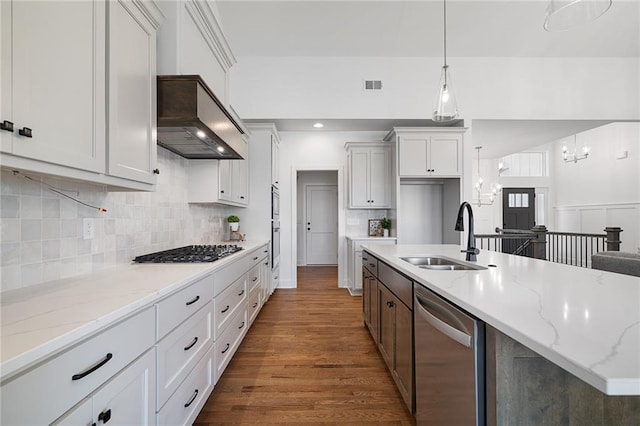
307 359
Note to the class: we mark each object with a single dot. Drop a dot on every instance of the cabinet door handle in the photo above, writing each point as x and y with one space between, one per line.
193 398
225 309
242 197
156 171
26 132
192 344
254 279
372 265
191 302
255 305
222 192
105 416
390 304
241 293
92 369
266 263
241 325
225 349
7 125
255 258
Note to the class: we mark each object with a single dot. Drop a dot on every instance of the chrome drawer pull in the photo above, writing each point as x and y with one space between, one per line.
193 398
92 369
193 301
225 309
190 345
225 349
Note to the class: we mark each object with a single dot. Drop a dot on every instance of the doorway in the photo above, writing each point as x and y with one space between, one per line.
317 217
518 212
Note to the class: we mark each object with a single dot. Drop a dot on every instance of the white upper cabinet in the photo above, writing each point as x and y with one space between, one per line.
53 82
275 161
67 68
369 176
132 93
431 153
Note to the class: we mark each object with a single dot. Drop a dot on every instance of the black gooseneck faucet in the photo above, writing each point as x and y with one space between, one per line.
471 250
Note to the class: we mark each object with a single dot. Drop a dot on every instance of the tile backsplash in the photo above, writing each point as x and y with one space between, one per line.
42 232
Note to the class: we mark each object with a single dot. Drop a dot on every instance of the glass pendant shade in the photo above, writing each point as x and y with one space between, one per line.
566 14
446 105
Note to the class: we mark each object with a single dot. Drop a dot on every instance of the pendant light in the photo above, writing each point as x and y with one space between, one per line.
446 105
566 14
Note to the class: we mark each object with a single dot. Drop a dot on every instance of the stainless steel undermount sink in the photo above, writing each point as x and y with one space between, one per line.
440 263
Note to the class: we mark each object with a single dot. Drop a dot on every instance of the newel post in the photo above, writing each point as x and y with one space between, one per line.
539 242
613 238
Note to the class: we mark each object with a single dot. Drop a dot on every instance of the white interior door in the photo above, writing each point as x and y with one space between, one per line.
322 224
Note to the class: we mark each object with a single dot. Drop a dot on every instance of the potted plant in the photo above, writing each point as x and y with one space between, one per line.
234 222
385 224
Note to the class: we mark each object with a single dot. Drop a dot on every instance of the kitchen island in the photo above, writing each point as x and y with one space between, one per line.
584 321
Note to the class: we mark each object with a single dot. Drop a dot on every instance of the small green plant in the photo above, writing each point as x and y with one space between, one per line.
385 223
233 219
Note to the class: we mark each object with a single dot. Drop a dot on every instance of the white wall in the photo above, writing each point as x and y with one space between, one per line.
602 190
312 151
517 88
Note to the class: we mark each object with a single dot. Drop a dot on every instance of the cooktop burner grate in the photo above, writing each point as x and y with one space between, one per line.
189 254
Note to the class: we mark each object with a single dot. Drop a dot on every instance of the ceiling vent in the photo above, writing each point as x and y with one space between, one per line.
372 85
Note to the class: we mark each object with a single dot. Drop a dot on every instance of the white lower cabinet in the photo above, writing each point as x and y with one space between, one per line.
127 399
179 352
227 343
60 382
187 401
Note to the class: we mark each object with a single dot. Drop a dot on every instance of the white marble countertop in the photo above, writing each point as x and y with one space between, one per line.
586 321
41 320
365 238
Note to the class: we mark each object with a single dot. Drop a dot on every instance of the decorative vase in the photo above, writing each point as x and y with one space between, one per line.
385 232
234 226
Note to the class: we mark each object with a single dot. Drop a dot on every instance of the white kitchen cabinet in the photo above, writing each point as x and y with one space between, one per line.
62 381
369 175
219 181
428 153
275 161
53 81
68 66
125 400
354 259
132 93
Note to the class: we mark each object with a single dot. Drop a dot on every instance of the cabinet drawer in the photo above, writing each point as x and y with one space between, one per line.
185 404
400 285
226 345
226 304
178 307
180 350
369 262
253 277
56 385
254 303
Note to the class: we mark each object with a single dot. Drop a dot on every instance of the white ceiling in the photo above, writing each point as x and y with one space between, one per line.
401 28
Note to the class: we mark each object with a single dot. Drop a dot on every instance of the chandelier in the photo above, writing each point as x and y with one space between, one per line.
485 199
574 156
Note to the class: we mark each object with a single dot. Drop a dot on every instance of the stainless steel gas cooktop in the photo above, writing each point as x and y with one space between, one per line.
189 254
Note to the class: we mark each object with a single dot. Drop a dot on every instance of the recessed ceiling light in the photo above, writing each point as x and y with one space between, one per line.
200 134
220 149
318 125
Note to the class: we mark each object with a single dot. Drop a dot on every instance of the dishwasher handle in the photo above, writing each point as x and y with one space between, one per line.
453 333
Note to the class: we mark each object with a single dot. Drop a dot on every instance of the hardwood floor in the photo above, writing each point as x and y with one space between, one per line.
307 359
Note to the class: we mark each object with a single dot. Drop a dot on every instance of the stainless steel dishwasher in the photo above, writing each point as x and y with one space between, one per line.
449 362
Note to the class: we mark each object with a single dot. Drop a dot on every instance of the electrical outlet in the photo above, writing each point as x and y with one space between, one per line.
88 228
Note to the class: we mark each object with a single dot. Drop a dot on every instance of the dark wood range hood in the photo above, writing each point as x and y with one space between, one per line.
193 123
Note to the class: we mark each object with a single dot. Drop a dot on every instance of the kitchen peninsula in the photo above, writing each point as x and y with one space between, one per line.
540 316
